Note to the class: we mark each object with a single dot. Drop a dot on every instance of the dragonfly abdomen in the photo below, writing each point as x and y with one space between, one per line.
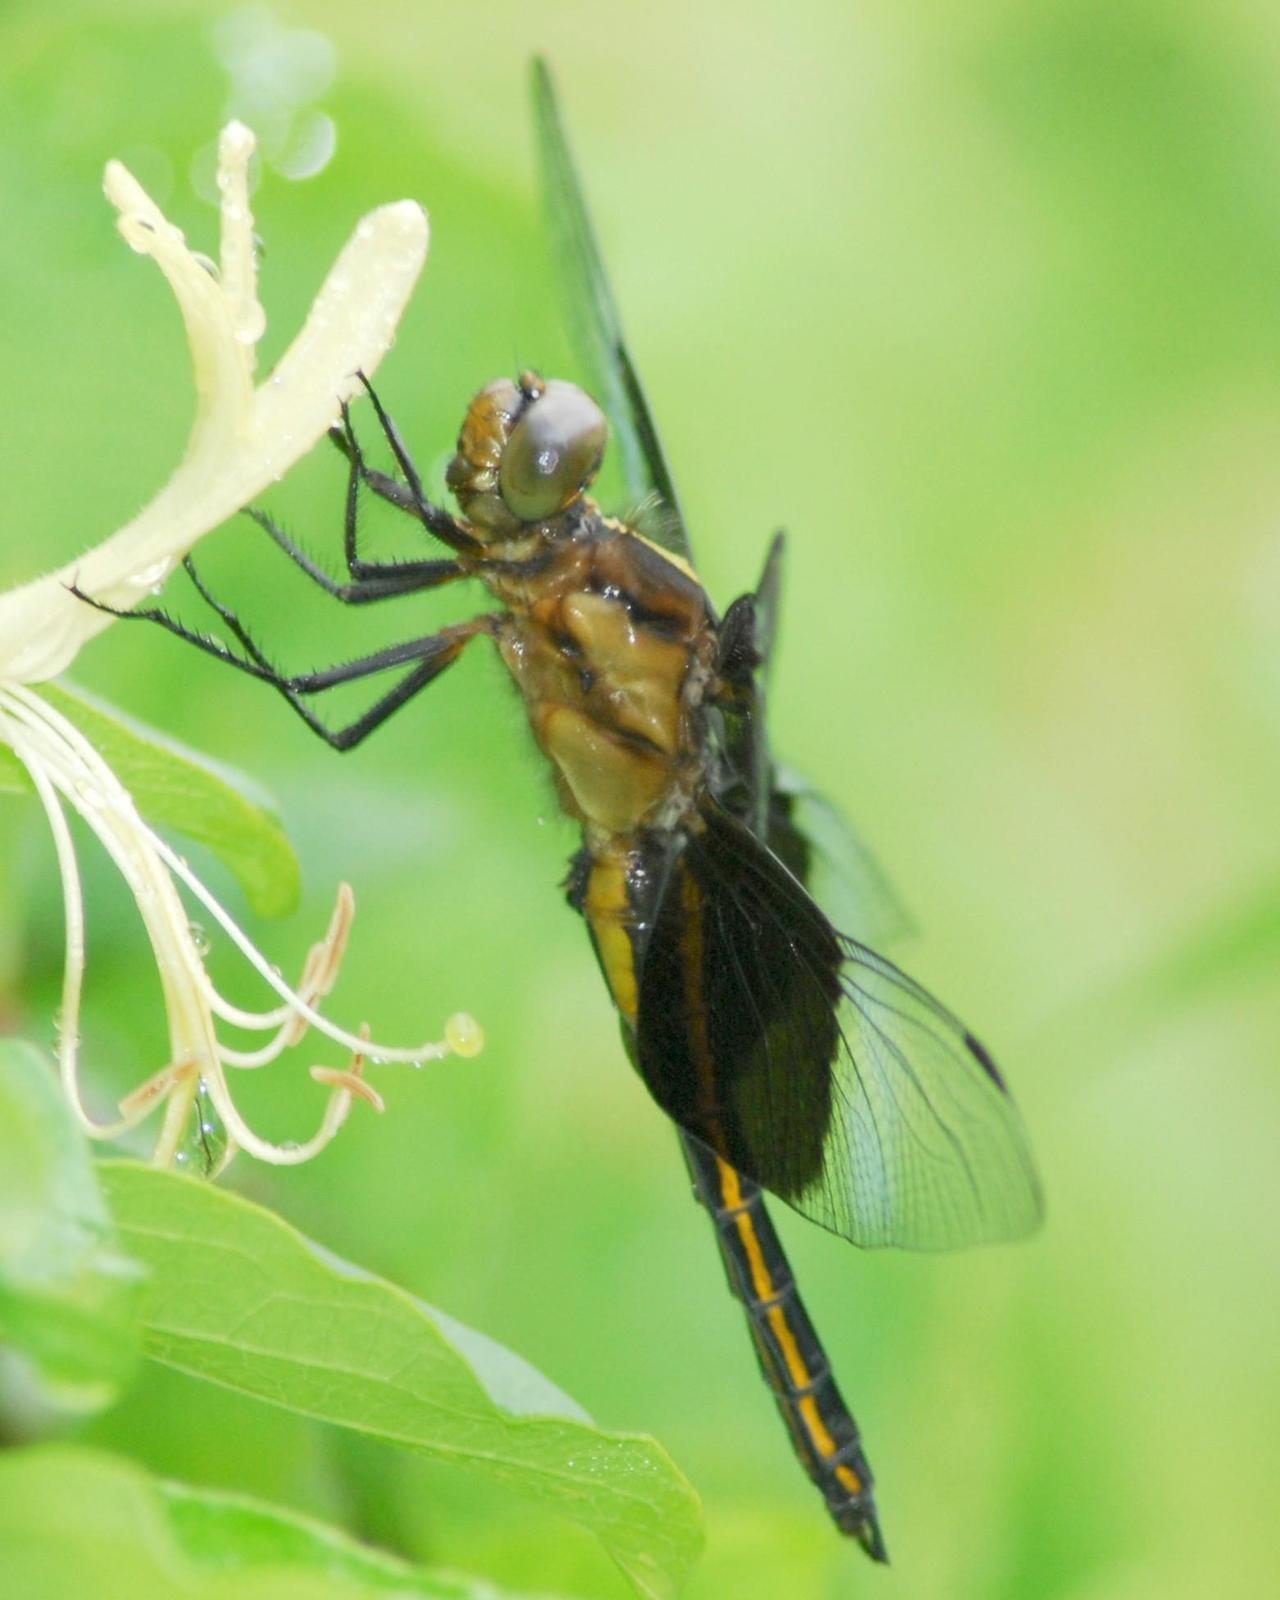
791 1357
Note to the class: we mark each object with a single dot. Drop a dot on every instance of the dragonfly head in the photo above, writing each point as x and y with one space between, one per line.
527 451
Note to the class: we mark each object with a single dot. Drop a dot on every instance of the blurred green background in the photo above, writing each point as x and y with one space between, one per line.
983 305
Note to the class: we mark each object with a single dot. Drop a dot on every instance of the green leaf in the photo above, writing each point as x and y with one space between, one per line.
237 1297
177 788
68 1297
13 775
79 1522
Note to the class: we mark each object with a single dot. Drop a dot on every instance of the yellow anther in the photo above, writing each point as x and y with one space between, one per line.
464 1035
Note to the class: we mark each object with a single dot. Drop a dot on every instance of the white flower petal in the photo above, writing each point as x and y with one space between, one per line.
243 439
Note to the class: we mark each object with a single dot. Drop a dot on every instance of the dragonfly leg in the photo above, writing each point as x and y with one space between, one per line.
432 655
428 656
257 666
370 580
408 496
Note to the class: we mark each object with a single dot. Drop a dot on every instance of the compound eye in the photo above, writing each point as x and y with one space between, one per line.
553 453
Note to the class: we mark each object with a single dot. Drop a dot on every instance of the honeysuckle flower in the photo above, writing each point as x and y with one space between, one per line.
244 438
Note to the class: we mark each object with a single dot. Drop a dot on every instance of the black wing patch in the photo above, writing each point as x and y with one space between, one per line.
816 1067
741 770
597 330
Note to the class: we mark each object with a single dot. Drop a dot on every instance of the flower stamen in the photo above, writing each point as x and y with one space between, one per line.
65 768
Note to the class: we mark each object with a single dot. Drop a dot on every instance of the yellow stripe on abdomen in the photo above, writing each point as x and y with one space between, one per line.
764 1288
607 908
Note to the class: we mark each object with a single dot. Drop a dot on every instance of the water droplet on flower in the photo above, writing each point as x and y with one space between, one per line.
205 1145
139 233
252 324
147 577
200 938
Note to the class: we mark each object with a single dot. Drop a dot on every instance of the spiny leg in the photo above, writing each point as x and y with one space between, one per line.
256 656
383 485
409 496
432 654
259 667
399 450
372 580
437 652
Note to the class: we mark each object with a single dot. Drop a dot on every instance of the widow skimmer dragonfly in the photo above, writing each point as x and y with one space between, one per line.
792 1057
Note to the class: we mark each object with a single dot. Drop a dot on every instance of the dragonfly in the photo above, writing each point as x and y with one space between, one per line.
792 1057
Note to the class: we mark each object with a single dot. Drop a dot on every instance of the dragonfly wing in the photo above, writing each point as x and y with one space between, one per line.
597 330
741 771
806 832
817 843
816 1067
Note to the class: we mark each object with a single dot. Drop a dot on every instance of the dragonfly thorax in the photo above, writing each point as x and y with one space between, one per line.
527 450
